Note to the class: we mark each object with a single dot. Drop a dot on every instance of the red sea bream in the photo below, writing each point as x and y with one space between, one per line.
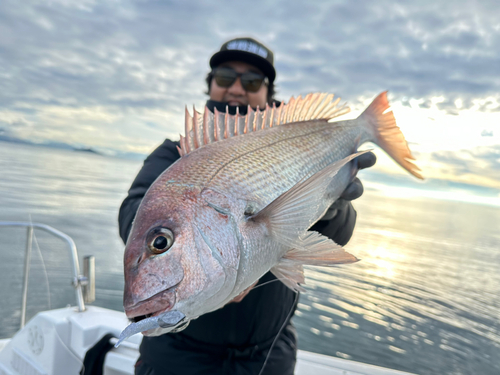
239 202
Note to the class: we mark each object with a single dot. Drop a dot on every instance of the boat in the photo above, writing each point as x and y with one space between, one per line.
60 341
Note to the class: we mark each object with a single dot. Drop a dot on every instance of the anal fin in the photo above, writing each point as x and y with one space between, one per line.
313 249
290 273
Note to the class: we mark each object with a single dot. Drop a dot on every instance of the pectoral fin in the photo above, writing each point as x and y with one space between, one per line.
296 210
289 216
317 250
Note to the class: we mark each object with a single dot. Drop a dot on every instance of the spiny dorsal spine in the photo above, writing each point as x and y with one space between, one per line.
212 127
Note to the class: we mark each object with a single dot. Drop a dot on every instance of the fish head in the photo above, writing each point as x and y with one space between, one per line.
182 254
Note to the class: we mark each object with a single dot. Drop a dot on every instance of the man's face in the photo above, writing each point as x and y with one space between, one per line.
236 94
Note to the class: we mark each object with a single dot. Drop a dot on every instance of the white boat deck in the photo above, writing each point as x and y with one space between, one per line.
55 342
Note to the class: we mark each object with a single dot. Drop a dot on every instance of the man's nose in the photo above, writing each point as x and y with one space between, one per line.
237 88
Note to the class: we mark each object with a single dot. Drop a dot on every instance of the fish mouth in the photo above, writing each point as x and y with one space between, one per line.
138 318
153 306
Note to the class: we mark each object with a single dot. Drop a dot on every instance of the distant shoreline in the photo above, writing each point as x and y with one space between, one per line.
87 150
65 146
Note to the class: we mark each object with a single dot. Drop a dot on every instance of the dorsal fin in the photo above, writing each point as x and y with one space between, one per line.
212 127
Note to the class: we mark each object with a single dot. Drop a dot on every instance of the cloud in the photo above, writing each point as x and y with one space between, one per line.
479 165
118 73
425 49
12 122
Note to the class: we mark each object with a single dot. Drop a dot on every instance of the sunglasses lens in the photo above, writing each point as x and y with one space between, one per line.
251 81
225 77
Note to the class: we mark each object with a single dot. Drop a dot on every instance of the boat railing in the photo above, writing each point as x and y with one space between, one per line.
84 284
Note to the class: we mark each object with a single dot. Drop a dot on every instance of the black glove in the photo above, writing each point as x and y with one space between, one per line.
338 222
354 190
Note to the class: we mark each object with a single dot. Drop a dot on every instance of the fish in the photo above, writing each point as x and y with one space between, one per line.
240 201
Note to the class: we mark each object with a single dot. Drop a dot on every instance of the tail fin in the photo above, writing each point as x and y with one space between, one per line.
385 133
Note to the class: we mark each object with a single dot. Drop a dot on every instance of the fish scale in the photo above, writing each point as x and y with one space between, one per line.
269 171
262 165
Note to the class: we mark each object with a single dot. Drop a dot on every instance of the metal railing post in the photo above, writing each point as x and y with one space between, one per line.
78 280
89 274
27 264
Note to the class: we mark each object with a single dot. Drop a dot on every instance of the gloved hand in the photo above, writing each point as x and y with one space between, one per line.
354 190
339 221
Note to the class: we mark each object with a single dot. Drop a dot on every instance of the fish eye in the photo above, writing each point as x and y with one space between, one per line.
160 240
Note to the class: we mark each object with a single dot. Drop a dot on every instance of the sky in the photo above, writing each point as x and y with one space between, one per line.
117 74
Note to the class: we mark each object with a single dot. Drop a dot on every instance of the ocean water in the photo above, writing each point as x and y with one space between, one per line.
424 298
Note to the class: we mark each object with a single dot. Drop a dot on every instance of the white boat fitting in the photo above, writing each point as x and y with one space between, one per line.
55 342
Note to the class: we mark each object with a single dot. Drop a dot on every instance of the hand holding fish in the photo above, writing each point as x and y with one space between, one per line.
354 190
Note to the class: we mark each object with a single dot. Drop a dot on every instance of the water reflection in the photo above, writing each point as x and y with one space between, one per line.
77 193
424 297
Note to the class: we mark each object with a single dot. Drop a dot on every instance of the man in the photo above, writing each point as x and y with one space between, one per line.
253 334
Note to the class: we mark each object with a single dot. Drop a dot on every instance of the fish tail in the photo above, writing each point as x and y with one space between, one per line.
384 132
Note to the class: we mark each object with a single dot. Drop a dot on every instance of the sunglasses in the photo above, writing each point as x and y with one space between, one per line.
251 81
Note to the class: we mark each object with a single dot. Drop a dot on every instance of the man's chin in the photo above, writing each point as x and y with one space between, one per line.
236 104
